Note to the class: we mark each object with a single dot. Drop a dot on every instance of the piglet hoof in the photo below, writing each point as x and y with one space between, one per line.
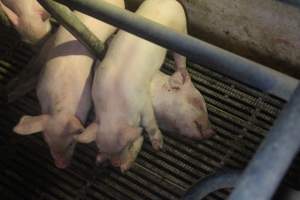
125 167
100 159
157 145
116 162
157 142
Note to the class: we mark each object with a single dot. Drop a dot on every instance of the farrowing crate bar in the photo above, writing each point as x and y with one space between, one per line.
262 177
239 68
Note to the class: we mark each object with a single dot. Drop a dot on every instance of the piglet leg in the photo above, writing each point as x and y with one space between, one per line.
130 154
181 74
151 127
101 158
180 61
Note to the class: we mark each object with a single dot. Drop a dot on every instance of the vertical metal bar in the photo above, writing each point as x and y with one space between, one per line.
264 173
239 68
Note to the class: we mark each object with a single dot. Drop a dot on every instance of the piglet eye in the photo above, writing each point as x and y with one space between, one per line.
199 126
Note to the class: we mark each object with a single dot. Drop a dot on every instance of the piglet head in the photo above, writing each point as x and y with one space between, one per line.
58 132
179 106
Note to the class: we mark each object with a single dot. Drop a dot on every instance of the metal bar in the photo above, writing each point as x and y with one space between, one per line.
239 68
71 22
212 183
264 173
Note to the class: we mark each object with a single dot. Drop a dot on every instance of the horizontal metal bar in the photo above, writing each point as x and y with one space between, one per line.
239 68
264 173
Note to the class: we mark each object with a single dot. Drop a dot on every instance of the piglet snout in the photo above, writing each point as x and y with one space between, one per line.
116 162
208 133
205 133
61 164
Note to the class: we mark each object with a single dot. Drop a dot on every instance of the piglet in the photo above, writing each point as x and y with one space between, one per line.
29 18
179 110
121 87
64 90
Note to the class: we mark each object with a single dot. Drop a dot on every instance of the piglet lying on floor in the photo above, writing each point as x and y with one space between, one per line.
64 90
28 17
122 93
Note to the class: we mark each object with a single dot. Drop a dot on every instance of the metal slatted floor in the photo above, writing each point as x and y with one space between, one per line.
240 115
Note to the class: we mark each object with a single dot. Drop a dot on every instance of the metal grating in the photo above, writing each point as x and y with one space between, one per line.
240 115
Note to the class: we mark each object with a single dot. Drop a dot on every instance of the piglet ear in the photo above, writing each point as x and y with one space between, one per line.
44 14
178 78
75 126
12 16
88 135
129 134
41 11
29 125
